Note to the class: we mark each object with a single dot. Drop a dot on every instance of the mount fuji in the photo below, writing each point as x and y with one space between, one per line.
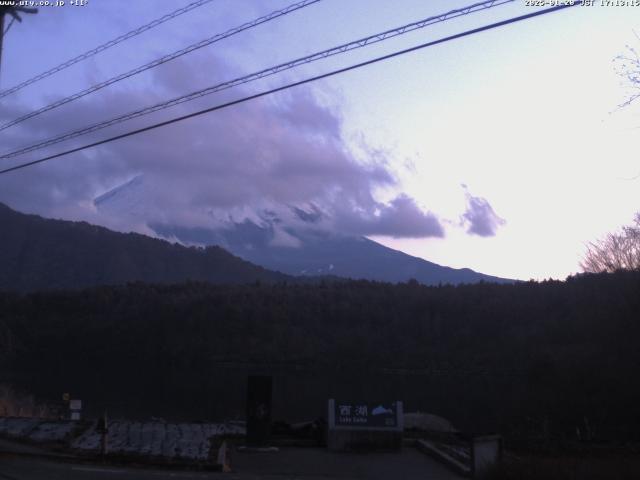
290 239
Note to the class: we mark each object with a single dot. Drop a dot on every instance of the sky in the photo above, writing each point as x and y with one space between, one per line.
505 152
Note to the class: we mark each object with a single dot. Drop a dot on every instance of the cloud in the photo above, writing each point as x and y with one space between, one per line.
286 149
479 217
281 238
401 218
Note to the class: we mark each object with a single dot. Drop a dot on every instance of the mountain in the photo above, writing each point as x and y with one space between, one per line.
291 239
42 254
321 253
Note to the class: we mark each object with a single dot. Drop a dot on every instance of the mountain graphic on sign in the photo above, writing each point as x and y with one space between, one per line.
380 410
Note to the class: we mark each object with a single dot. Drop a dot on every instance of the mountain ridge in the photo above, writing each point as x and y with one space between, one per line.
43 254
293 239
325 254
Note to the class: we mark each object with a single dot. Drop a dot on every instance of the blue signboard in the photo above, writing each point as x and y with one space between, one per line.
365 414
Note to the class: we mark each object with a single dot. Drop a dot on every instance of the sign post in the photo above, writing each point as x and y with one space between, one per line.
364 425
259 410
103 429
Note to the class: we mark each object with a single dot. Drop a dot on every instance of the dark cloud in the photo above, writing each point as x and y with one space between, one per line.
400 218
313 215
286 149
300 110
480 218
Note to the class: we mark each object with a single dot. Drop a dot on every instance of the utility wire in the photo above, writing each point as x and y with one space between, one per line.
167 58
295 84
363 42
105 46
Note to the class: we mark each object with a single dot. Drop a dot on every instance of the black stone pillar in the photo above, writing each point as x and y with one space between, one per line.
259 410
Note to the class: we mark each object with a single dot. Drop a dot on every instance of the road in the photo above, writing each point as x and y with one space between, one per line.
288 464
29 468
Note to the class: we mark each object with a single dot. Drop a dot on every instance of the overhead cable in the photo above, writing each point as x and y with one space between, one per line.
105 46
360 43
159 61
294 84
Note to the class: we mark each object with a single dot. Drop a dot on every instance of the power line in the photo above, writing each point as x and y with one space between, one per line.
295 84
363 42
167 58
105 46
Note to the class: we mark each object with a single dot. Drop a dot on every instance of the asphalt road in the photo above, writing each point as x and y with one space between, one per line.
318 463
288 464
26 468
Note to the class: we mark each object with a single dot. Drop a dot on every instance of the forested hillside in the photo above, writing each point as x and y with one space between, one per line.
38 253
533 359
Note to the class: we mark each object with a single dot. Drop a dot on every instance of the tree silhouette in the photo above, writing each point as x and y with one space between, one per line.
627 65
616 251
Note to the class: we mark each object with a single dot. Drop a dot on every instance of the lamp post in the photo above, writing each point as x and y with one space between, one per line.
14 11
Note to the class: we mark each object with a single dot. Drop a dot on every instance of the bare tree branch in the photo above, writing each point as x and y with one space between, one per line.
616 251
627 66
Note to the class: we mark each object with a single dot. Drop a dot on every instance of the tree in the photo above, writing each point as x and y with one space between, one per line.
627 66
616 251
